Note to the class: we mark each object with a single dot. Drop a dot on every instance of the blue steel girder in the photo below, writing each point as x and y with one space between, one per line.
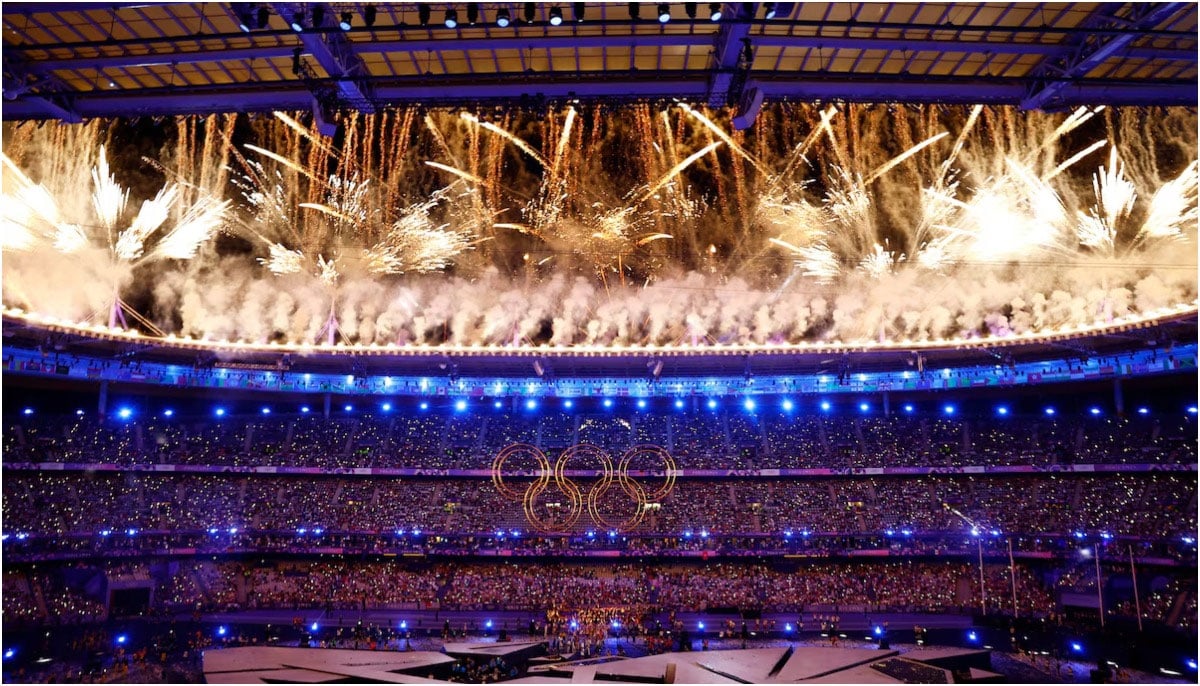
723 86
1084 52
345 69
41 92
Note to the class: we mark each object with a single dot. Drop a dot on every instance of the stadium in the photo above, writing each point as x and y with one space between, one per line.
639 342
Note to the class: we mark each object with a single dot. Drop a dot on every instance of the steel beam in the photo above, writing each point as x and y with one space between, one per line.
1055 73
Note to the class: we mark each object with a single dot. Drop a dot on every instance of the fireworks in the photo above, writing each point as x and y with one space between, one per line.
851 224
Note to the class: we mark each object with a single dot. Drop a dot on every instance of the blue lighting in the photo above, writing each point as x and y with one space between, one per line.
404 624
608 402
591 534
949 409
8 654
863 407
386 407
568 403
424 405
1076 646
749 404
233 529
221 631
266 410
787 628
212 531
304 409
909 409
497 404
1095 411
131 532
574 624
679 404
28 411
687 534
220 412
906 532
787 534
612 534
348 408
531 404
1049 411
314 626
712 404
301 531
878 631
825 406
1079 534
1143 410
168 412
121 639
972 636
1191 663
616 624
788 405
106 532
488 624
124 413
460 405
703 533
1002 410
1192 409
641 403
700 626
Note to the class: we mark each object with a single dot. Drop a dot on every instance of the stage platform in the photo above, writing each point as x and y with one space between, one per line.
757 665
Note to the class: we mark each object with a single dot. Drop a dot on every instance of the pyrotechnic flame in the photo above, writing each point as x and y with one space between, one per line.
1173 207
283 260
108 198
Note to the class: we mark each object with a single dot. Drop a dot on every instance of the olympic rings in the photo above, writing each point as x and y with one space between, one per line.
574 496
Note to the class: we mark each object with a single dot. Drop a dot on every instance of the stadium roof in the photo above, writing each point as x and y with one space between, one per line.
730 361
74 60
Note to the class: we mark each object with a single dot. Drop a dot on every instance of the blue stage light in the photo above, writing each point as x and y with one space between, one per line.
27 411
972 636
488 624
641 403
530 404
700 626
608 402
1192 409
9 653
424 405
1076 646
403 624
460 405
788 405
909 409
1191 663
1002 410
679 404
749 404
568 403
948 409
221 631
314 626
863 407
348 408
497 404
878 631
220 412
712 404
1143 410
825 406
121 639
787 628
124 413
1050 411
266 410
1095 411
168 412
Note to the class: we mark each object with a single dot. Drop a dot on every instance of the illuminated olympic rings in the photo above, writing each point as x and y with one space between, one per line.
545 477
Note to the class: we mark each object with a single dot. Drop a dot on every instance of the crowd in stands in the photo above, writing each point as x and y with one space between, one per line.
562 590
714 440
1144 504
